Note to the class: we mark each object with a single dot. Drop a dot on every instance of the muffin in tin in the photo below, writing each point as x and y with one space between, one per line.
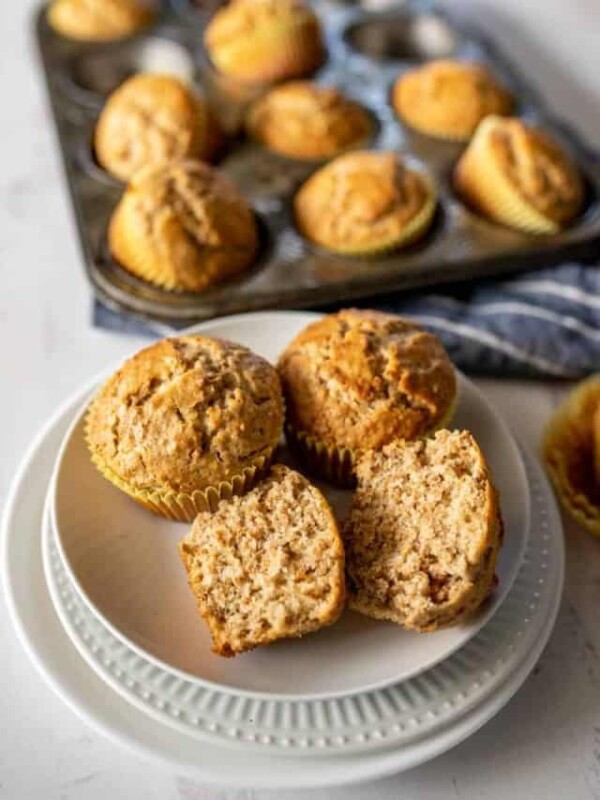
100 20
186 422
514 173
183 226
447 99
153 118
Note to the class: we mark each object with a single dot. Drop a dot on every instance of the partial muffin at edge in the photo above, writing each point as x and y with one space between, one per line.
100 20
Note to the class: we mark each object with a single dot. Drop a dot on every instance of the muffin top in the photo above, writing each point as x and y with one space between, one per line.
361 199
186 413
359 379
99 20
303 120
183 225
149 119
448 99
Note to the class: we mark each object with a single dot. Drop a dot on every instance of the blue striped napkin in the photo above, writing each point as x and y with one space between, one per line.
543 324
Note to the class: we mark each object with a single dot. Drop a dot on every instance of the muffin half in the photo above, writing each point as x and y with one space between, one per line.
185 422
516 174
183 226
100 20
424 531
266 566
356 380
365 204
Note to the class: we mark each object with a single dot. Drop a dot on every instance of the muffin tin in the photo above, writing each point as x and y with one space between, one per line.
367 51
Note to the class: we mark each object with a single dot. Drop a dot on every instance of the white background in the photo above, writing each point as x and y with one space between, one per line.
546 743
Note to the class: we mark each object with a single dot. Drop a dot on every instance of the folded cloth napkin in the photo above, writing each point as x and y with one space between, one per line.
544 323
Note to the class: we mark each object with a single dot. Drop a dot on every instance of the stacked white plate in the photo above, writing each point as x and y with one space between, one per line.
100 600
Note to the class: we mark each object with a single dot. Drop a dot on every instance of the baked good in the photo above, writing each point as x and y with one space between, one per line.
266 566
571 451
423 533
516 174
258 41
183 226
153 118
100 20
300 119
185 422
365 204
357 380
447 99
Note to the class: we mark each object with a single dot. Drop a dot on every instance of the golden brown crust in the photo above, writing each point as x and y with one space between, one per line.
185 414
149 119
183 225
365 203
448 99
259 41
359 379
100 20
303 120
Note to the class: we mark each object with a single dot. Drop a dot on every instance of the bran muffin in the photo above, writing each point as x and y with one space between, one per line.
516 174
305 121
447 99
185 422
423 533
153 118
100 20
259 41
183 226
266 566
571 451
365 204
357 380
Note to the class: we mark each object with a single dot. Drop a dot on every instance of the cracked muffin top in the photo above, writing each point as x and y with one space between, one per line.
184 226
303 120
448 99
149 119
186 413
100 20
359 379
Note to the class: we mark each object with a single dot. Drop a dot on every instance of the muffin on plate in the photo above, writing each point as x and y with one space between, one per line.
356 380
150 119
259 41
186 422
423 533
100 20
305 121
183 226
365 204
571 452
266 566
517 175
447 99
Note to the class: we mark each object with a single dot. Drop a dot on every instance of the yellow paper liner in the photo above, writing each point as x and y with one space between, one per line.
568 452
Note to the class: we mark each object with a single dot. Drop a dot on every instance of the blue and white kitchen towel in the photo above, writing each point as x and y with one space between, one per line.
544 323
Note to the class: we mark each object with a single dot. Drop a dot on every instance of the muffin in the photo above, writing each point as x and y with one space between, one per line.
259 41
186 422
100 20
183 226
448 99
153 118
571 451
266 566
423 533
305 121
357 380
515 174
365 204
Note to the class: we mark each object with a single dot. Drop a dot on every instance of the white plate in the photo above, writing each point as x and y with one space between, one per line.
92 699
125 563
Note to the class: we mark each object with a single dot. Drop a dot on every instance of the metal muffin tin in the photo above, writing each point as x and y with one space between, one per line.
367 51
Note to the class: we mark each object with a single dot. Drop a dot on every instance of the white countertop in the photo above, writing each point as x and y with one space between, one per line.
546 742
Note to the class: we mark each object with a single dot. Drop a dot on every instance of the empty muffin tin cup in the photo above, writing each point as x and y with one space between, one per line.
398 37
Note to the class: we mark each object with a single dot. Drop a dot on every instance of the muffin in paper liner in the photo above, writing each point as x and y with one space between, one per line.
571 452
